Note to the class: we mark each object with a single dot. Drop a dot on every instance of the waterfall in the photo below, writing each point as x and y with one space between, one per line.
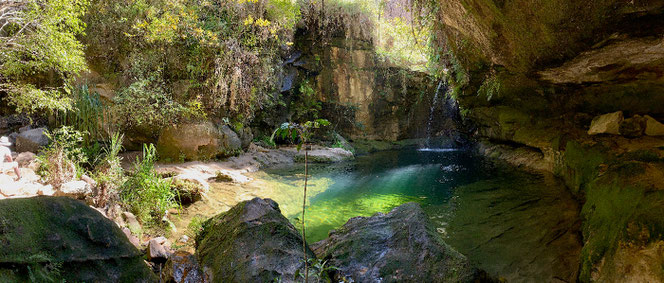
428 144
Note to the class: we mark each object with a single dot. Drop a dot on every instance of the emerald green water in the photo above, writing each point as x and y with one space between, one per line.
378 183
519 226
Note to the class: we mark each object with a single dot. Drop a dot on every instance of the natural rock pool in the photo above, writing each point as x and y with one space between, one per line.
513 224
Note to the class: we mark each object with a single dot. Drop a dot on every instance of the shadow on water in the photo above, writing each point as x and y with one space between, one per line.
515 225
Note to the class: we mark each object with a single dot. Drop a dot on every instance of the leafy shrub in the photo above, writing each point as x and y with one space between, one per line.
306 106
86 113
145 193
61 160
39 38
108 171
182 58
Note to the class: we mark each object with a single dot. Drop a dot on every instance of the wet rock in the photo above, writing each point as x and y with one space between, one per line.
399 246
156 251
653 127
25 158
182 267
35 232
252 242
606 124
197 141
633 127
31 140
75 189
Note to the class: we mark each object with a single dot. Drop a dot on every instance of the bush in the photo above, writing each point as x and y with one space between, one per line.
145 193
180 59
39 52
61 160
108 172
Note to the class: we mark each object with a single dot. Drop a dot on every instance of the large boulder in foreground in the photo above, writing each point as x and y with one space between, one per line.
401 246
62 239
197 142
252 242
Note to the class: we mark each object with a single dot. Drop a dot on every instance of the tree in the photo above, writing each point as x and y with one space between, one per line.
301 134
39 53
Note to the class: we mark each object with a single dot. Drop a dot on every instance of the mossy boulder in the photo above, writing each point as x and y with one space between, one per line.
395 247
252 242
200 141
59 238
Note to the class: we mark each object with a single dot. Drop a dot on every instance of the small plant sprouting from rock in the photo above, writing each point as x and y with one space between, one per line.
301 134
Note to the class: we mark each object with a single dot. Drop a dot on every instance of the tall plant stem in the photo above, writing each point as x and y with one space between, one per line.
304 204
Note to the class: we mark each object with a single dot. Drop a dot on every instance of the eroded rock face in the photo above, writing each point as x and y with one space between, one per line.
197 141
36 232
606 124
252 242
395 247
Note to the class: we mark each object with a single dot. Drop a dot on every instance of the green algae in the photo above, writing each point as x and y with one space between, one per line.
619 209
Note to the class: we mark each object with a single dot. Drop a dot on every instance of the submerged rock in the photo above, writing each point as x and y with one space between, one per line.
182 267
252 242
325 155
395 247
58 238
606 124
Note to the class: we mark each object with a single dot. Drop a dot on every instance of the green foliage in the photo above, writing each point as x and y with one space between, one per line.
38 38
402 38
145 103
44 272
188 59
61 160
195 226
307 105
299 133
321 270
145 193
489 88
108 171
86 113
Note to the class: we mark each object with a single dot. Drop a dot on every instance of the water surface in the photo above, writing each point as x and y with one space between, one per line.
519 226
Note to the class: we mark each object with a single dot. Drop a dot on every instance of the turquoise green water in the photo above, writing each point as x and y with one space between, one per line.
518 226
378 183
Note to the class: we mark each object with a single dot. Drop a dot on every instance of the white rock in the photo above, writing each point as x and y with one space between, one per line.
76 189
606 124
653 127
46 190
